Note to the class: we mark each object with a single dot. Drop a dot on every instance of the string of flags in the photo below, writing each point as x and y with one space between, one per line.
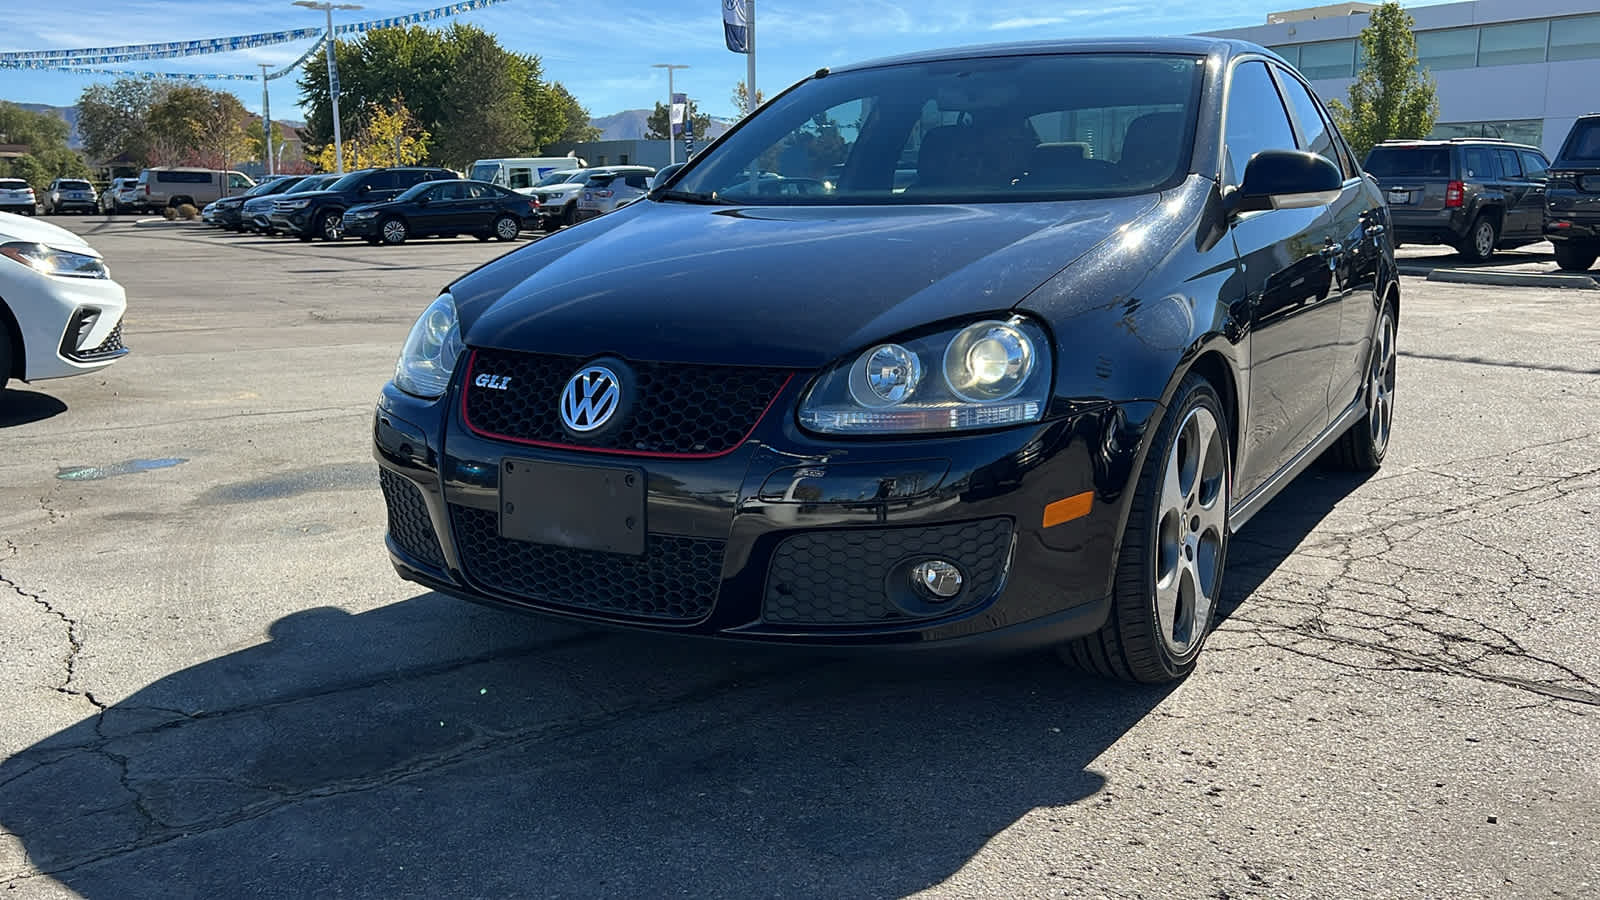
88 60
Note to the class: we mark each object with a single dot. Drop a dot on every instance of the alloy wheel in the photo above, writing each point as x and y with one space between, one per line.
506 229
332 227
1190 536
394 231
1483 238
1380 384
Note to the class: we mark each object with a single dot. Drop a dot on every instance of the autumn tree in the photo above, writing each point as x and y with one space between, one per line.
741 99
1391 97
390 136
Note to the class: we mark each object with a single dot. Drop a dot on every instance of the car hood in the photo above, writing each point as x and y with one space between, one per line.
309 195
27 228
782 286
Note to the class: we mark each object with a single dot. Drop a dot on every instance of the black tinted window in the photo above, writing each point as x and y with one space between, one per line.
1508 163
638 180
1256 118
1408 162
1583 144
1534 166
1478 162
184 177
1315 132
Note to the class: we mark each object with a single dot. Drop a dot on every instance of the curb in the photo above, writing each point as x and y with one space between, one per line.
164 223
1509 279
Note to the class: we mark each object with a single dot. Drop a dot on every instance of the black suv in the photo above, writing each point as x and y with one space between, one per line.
321 213
1475 194
1572 215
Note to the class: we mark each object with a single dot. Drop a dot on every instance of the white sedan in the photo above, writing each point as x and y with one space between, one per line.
60 312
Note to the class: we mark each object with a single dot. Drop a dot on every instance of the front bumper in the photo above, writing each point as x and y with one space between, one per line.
296 222
363 227
69 326
772 542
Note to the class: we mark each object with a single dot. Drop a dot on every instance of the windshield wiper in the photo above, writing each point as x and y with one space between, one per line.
710 199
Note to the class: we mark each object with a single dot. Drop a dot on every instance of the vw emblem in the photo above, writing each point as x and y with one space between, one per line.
590 398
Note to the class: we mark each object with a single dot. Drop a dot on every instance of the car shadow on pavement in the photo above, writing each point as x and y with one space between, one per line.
26 407
436 748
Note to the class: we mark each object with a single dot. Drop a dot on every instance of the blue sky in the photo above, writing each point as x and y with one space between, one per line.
601 52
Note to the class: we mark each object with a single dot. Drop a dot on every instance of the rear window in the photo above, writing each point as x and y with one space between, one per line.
1583 144
184 177
75 186
1408 162
12 184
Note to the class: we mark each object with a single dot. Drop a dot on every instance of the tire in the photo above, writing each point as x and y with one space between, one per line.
1362 448
5 356
506 228
1481 238
483 236
330 226
394 231
1177 535
569 216
1574 257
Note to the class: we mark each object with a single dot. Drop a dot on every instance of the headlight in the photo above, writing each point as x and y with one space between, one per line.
51 261
360 214
987 375
295 204
430 352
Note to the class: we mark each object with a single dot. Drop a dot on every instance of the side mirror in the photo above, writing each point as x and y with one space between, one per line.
1286 179
424 200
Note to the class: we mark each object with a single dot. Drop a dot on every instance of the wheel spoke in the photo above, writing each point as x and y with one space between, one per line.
1167 602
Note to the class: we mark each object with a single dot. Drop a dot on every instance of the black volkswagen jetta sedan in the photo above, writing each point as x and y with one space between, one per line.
984 346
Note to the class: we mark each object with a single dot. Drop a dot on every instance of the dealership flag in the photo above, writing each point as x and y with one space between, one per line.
680 111
736 25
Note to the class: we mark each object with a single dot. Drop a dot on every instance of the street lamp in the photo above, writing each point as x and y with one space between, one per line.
672 142
333 74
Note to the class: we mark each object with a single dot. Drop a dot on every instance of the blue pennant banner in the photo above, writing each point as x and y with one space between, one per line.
167 50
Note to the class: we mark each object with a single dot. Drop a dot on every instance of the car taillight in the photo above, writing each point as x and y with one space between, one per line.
147 190
604 195
1454 194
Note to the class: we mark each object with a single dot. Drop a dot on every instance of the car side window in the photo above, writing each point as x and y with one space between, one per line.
1256 119
1315 133
637 181
520 178
1534 166
1509 164
235 180
1478 162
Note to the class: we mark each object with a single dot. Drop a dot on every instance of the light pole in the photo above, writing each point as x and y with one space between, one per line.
266 120
333 74
672 142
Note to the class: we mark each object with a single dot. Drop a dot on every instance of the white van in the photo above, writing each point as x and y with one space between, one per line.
524 172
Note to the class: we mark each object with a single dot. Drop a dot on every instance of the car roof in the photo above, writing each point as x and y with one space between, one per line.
1185 45
1455 142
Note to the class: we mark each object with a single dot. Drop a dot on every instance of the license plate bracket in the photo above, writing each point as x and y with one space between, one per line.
578 506
1400 197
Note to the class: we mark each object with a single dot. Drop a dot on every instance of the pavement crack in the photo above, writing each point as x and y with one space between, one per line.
73 634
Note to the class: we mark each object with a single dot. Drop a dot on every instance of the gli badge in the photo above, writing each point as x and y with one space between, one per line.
493 382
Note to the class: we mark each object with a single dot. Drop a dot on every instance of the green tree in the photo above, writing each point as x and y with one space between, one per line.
112 118
741 96
48 156
578 125
1391 97
193 125
657 127
484 103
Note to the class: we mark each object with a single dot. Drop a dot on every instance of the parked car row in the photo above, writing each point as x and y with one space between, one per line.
1481 194
382 206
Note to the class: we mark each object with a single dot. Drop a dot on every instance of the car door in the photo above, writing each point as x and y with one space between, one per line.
1351 246
1516 222
1288 282
480 207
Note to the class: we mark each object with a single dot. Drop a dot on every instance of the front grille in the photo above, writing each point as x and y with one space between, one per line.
677 410
675 580
82 323
409 524
862 576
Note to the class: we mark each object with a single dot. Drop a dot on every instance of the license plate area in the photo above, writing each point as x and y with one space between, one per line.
578 506
1399 198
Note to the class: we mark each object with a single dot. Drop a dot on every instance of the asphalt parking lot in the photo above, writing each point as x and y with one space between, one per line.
214 685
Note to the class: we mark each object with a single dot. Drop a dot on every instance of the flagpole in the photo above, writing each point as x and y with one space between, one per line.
750 61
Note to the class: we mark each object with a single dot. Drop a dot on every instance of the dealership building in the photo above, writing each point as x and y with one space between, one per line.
1522 70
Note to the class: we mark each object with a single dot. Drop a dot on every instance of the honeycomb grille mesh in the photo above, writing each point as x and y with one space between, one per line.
677 410
852 576
675 580
409 524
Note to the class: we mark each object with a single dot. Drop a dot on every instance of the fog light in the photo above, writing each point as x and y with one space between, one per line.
938 578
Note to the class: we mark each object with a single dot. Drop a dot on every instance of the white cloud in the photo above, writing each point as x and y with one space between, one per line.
1026 22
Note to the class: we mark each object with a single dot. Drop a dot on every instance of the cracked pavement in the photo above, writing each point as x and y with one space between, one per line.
214 685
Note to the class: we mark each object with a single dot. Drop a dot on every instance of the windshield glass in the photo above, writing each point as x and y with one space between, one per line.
1408 162
75 185
485 172
1584 142
348 181
315 183
12 184
561 177
411 193
987 129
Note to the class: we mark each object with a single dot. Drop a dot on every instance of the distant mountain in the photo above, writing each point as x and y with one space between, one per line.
631 125
67 113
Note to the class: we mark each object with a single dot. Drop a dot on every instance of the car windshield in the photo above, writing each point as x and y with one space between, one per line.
963 130
485 171
1408 162
1584 142
561 177
317 183
416 190
348 181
